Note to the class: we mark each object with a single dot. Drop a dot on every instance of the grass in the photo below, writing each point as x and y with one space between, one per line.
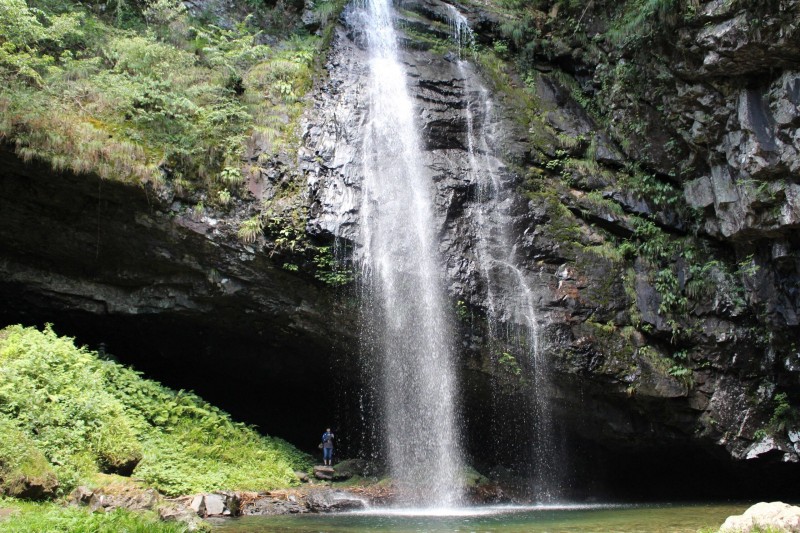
74 414
29 517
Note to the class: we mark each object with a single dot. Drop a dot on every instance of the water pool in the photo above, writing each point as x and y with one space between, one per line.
501 519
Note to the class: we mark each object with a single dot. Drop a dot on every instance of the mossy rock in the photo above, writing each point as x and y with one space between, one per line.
472 478
24 470
119 451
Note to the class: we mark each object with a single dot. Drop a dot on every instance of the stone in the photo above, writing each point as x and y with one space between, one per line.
81 495
333 501
349 468
270 505
130 498
196 503
324 472
699 192
213 505
35 487
174 511
777 515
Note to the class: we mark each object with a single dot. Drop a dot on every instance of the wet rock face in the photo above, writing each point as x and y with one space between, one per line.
610 387
754 142
445 92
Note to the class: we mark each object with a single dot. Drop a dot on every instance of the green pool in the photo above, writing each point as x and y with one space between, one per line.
502 519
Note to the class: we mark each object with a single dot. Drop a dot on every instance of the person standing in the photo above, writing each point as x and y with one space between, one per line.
327 447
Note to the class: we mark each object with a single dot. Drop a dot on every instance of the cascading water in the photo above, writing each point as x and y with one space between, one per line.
512 317
404 304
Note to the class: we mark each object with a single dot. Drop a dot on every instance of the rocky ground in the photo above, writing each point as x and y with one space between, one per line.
349 485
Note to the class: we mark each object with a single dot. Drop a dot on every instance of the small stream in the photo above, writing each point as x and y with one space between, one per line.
607 518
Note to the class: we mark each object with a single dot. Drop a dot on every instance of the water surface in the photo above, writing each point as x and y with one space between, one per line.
543 519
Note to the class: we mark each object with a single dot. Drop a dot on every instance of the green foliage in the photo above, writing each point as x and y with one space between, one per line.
21 462
287 232
327 10
784 415
679 368
85 414
328 269
275 89
521 32
500 47
747 267
661 193
250 229
653 243
509 363
146 93
462 312
224 197
642 19
45 386
672 301
54 518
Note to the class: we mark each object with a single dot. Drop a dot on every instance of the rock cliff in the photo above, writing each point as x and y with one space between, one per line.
639 193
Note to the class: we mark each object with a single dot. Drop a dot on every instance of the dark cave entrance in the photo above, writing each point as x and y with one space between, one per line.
285 391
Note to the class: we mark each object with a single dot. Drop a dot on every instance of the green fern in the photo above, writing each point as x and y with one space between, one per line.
251 228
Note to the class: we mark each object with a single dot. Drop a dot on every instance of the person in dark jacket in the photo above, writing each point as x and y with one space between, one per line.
327 447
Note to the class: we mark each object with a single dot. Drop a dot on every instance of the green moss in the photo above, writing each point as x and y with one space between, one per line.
85 414
562 225
603 264
21 462
423 40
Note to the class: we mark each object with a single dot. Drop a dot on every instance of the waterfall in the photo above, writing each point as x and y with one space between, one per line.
408 324
512 311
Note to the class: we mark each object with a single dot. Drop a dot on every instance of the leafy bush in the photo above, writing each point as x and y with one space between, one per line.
85 414
784 415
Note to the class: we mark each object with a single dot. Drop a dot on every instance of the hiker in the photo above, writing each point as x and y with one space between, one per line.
327 447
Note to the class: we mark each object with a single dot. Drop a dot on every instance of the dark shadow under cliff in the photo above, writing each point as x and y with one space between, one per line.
174 297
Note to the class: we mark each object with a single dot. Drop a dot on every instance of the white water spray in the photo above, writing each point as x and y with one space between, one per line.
404 301
516 309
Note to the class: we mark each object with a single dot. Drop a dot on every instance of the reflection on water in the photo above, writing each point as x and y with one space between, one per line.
539 519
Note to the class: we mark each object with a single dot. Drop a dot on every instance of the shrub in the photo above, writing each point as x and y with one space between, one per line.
74 413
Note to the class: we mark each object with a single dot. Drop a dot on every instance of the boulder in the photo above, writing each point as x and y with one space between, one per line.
775 515
178 511
31 487
349 468
265 504
130 498
81 495
324 472
214 504
329 501
220 503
